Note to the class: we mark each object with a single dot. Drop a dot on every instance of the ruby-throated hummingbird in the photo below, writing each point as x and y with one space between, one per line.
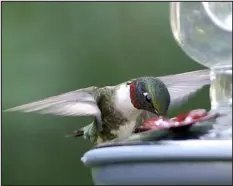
117 108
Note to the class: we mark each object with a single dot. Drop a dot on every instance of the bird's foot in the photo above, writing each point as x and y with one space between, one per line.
75 133
182 120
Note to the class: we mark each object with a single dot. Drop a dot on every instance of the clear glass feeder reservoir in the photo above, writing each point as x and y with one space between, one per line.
204 32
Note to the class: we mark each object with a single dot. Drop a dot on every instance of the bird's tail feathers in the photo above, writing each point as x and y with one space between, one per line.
76 133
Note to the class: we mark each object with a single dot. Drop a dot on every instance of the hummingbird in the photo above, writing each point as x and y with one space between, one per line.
116 110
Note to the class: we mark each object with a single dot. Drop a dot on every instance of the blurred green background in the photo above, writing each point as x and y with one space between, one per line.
55 47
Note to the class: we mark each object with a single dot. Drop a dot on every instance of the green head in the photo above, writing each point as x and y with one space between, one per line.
150 94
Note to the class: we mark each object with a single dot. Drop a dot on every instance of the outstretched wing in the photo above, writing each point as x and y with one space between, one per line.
76 103
181 87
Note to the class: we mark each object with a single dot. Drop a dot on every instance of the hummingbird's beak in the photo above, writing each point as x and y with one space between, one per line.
155 110
154 102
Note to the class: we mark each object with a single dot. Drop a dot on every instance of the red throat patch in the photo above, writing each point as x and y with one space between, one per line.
133 95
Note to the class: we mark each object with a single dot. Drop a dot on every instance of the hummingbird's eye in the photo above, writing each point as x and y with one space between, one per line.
147 97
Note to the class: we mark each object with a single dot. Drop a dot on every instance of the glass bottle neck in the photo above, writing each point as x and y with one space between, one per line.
221 88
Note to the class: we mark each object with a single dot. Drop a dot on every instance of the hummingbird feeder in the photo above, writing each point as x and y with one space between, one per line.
193 148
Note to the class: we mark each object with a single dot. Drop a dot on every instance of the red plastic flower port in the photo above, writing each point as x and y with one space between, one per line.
183 119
